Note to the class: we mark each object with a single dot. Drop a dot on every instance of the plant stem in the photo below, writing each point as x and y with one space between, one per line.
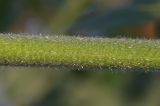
79 51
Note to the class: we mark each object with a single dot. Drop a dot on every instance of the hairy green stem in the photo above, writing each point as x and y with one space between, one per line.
79 51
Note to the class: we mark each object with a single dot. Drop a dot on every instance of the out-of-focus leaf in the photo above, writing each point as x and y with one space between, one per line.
42 5
139 2
138 85
110 21
67 14
5 15
153 9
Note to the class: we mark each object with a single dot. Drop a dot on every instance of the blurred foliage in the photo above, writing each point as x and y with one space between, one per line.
6 15
85 17
68 14
111 21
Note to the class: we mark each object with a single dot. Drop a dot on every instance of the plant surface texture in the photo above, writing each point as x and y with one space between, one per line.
25 50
